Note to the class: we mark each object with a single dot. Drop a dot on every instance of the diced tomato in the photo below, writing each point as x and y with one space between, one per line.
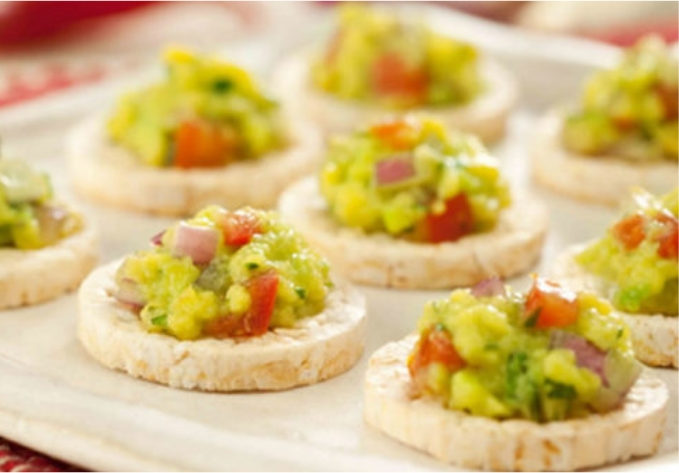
668 240
198 144
625 123
456 221
435 347
256 320
669 96
397 134
630 231
549 305
239 227
262 289
391 76
225 326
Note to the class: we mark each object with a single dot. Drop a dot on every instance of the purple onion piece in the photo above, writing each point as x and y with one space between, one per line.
129 293
587 355
157 239
197 242
394 170
492 286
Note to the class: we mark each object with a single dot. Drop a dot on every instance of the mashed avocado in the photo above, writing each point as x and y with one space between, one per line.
638 256
548 355
411 179
205 113
29 218
631 110
375 56
224 273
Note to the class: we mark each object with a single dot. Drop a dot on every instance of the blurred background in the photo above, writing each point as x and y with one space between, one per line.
52 46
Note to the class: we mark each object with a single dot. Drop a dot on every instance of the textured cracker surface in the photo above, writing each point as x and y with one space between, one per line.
317 348
379 260
633 430
32 276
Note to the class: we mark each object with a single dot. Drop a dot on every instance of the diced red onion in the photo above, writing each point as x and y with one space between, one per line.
129 293
157 239
197 242
492 286
393 170
587 355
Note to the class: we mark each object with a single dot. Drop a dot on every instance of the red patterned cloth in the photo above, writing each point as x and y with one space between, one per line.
16 458
20 84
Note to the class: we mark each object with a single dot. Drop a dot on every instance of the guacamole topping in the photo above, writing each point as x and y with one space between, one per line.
224 273
29 216
205 113
411 179
629 111
638 255
376 56
549 355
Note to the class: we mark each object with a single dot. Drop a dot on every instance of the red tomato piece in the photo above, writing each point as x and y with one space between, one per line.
198 144
391 76
456 221
225 326
435 347
668 240
397 134
239 227
549 305
669 96
262 289
630 231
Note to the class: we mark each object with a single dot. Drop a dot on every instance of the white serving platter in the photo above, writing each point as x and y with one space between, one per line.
55 399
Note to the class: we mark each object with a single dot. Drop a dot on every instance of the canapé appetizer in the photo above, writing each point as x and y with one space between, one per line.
635 265
46 247
499 380
407 204
380 61
205 134
622 133
223 301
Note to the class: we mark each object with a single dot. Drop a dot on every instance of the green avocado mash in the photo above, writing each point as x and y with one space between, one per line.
222 274
631 110
29 218
376 56
411 179
549 355
638 256
205 113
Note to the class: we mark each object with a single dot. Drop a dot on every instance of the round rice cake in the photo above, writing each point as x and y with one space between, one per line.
600 179
452 436
486 116
109 173
316 348
29 277
512 247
